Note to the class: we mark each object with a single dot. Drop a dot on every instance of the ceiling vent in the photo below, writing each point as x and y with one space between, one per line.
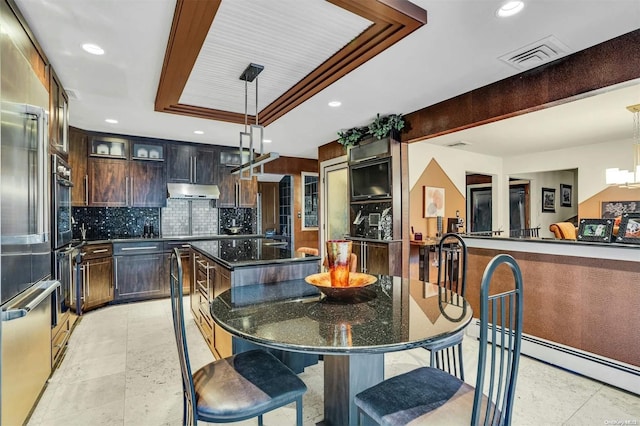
535 54
458 143
72 94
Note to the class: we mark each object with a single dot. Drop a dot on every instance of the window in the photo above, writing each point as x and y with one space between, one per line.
309 201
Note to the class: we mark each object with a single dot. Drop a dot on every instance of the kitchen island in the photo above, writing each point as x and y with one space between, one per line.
218 265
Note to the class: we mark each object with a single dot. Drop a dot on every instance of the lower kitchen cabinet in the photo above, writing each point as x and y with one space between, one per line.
209 280
98 282
378 258
59 337
139 270
186 264
96 275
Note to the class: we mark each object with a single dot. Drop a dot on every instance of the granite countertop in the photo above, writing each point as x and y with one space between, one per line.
243 252
392 314
169 238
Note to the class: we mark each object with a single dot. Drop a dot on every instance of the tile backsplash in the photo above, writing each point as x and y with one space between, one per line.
179 218
189 217
244 217
103 223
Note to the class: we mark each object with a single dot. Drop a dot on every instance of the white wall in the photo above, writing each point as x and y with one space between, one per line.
589 160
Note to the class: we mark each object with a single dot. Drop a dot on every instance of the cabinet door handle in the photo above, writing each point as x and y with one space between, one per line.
86 190
126 190
115 261
87 288
195 169
100 251
139 248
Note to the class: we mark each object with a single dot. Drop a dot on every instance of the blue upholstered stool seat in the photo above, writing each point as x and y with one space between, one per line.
405 399
244 386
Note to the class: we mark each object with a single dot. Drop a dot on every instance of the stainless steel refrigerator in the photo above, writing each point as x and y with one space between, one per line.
25 247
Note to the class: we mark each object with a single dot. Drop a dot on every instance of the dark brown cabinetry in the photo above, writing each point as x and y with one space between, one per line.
139 270
192 164
97 275
235 192
108 182
78 142
183 248
115 181
378 257
58 116
209 280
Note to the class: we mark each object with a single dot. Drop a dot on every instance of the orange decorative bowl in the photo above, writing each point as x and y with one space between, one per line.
357 282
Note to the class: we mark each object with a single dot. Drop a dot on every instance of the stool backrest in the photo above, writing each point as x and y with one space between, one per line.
177 311
500 340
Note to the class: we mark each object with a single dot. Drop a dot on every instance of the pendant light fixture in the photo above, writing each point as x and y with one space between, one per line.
626 178
253 133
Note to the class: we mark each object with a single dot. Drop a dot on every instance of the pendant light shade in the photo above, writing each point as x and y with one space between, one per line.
628 178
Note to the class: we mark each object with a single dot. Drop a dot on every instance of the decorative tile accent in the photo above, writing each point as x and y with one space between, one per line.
104 223
244 217
204 218
175 218
189 217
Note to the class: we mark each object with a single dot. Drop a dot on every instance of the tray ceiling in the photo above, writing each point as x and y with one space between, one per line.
212 42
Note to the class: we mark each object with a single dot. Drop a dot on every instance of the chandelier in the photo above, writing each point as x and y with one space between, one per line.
629 178
252 134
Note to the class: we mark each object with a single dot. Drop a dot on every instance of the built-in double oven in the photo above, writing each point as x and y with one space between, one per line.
61 231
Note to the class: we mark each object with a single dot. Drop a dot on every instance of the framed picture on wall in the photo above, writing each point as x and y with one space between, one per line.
597 230
565 195
629 231
548 200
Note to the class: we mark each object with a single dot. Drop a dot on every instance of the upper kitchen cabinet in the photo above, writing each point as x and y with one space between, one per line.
58 117
191 164
109 171
108 147
235 192
78 142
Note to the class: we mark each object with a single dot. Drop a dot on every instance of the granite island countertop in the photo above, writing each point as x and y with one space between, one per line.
243 252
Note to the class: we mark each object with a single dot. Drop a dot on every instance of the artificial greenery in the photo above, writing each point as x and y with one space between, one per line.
380 128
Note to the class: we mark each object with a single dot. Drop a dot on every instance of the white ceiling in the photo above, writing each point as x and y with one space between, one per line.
456 51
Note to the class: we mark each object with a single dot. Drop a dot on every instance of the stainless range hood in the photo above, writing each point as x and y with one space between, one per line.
193 192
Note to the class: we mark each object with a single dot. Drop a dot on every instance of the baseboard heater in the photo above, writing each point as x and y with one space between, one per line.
606 370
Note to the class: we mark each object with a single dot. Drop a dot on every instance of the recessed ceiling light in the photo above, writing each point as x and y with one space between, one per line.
510 8
266 140
335 104
198 132
94 49
111 121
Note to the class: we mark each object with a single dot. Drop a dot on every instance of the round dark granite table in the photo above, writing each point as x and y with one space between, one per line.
392 314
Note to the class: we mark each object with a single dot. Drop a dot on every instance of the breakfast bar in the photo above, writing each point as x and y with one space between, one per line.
581 307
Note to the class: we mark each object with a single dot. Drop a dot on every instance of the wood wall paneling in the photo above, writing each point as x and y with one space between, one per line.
589 304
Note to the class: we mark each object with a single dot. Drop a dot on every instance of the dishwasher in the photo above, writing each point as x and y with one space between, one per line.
26 350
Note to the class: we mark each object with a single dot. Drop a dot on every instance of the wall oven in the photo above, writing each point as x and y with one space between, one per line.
61 202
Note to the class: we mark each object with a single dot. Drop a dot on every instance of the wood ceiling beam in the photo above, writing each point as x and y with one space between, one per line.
191 22
567 79
392 21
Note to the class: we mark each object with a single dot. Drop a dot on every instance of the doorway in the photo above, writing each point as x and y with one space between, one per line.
519 205
335 207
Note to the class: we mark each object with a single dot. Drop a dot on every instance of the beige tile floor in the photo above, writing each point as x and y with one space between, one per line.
121 368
